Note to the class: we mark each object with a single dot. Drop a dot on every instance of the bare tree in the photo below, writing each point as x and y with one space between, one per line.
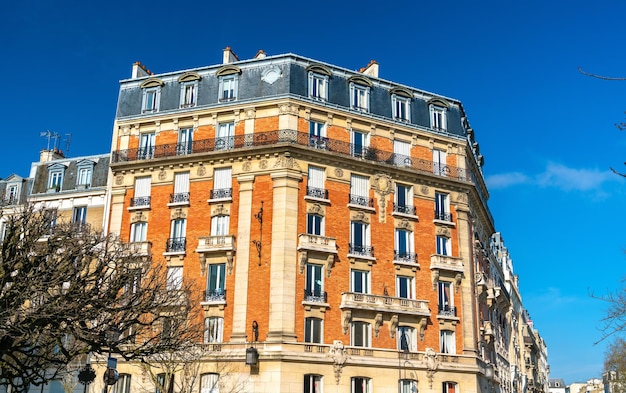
63 288
615 366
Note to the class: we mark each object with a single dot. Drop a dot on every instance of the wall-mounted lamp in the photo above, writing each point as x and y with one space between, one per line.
257 243
252 356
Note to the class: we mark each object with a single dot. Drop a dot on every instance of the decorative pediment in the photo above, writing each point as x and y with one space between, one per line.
139 216
360 217
443 231
437 101
402 92
319 69
361 80
219 210
178 214
404 224
228 70
152 82
189 77
316 208
382 183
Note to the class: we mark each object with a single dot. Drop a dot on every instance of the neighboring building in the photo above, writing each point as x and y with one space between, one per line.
558 386
594 385
338 223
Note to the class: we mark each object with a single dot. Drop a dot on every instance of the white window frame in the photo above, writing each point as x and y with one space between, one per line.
364 240
445 294
213 330
220 225
438 118
225 138
359 97
185 141
228 84
318 86
402 153
188 94
401 108
84 176
313 383
359 150
450 387
444 245
411 337
314 279
151 106
447 341
79 215
123 384
442 206
408 237
439 162
12 194
147 141
313 327
210 383
365 332
410 287
178 229
361 277
138 231
223 180
216 283
408 386
55 179
174 278
318 223
366 385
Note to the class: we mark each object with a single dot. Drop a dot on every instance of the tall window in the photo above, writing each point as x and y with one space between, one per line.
222 183
402 153
228 87
359 143
79 216
314 224
318 86
216 281
55 180
406 339
442 207
188 94
359 193
447 343
446 304
404 246
359 97
151 98
443 245
225 136
209 383
361 334
220 225
84 176
405 287
143 188
177 240
185 141
313 383
146 146
314 286
449 387
315 183
401 108
213 329
123 384
313 330
438 117
174 278
408 386
317 135
403 199
360 281
138 231
360 239
361 385
12 193
181 188
439 162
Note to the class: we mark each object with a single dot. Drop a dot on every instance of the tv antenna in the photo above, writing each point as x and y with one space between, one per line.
68 140
51 135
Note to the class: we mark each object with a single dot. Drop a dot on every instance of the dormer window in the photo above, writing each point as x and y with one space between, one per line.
228 83
84 174
438 119
189 89
401 104
360 93
318 82
55 177
151 96
12 194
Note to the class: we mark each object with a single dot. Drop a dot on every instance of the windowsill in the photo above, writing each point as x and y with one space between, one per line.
217 303
220 200
174 253
352 257
444 222
316 199
401 263
361 207
409 216
308 305
176 204
142 207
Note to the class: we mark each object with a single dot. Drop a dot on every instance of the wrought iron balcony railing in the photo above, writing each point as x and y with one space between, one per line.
316 192
443 216
315 295
140 201
222 193
181 197
296 138
404 209
356 249
216 295
447 311
360 200
176 244
404 256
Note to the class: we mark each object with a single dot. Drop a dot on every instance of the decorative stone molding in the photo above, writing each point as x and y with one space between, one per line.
287 162
287 109
434 274
219 210
340 355
139 217
162 175
347 318
263 164
178 213
360 217
338 172
119 180
330 262
443 231
378 321
457 281
304 256
404 224
201 170
247 166
431 361
393 325
382 184
422 327
424 190
230 262
316 208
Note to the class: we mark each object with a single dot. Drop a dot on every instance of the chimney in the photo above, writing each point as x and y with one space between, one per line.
229 56
49 155
371 69
260 55
140 70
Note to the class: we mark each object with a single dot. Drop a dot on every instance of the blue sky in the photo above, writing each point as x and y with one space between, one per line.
546 131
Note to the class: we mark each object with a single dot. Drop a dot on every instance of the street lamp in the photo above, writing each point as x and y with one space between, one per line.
110 375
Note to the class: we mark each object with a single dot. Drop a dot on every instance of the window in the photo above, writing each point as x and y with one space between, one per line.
439 162
228 87
446 338
133 281
403 199
209 383
359 142
146 146
449 387
142 192
404 246
314 224
216 282
181 188
313 330
318 86
446 298
213 327
12 194
174 278
176 242
360 97
361 334
220 225
401 108
360 239
138 231
225 136
314 285
55 180
402 153
317 135
443 245
442 207
79 216
185 141
163 385
315 183
313 383
359 193
408 386
84 177
360 385
405 287
151 98
360 281
123 384
222 183
188 94
438 117
406 340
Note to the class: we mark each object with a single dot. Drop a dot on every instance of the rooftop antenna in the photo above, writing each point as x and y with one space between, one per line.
50 135
68 140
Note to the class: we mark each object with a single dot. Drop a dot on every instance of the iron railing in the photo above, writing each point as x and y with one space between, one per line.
317 192
357 249
447 311
405 209
222 193
180 197
360 200
176 244
140 201
216 295
297 138
443 216
403 256
315 295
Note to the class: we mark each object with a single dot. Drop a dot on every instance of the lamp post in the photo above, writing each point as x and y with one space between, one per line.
110 375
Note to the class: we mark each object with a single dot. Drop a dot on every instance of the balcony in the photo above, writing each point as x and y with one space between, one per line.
357 250
446 262
219 246
176 245
293 137
407 259
180 198
443 216
223 193
142 202
380 303
215 296
315 296
404 209
446 311
317 193
360 201
318 243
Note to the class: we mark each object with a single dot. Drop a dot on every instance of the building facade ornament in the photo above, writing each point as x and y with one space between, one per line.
340 355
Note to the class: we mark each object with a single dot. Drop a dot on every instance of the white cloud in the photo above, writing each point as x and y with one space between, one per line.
505 180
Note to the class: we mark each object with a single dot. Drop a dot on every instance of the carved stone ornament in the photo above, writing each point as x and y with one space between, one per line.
434 274
316 209
178 213
462 197
287 162
361 217
330 262
378 322
382 184
424 190
263 164
432 363
219 210
338 172
422 327
339 354
162 175
403 224
247 166
347 318
201 170
393 325
304 256
271 74
443 231
119 180
229 262
139 217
